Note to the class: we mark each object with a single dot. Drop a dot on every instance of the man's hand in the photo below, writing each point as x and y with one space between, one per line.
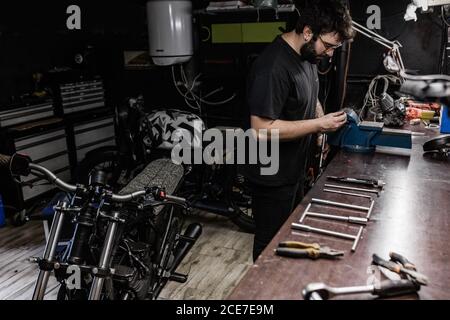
332 121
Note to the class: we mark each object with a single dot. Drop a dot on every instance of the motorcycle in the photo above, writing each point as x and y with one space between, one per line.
124 246
143 137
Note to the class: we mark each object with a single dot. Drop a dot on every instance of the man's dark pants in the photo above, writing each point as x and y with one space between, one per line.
271 206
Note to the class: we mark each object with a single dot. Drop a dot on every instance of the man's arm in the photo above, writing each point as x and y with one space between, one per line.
288 130
291 130
319 110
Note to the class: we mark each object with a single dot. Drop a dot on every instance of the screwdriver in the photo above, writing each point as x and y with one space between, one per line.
366 182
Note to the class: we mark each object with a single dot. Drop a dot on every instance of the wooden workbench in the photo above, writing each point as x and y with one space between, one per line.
411 216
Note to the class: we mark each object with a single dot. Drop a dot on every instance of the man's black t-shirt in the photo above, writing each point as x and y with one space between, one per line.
281 85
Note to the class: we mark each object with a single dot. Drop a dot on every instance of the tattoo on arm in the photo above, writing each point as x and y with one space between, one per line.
319 110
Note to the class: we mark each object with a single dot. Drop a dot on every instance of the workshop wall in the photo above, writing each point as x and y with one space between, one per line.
34 38
423 44
421 39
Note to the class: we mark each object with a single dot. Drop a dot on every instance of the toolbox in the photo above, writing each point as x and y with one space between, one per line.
48 149
81 96
93 134
26 112
45 141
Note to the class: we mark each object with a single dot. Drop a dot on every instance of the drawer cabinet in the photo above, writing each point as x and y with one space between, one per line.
94 134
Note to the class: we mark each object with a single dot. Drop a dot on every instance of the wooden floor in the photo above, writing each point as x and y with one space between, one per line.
215 264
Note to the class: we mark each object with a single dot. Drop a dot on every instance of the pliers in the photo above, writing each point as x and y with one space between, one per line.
295 249
400 265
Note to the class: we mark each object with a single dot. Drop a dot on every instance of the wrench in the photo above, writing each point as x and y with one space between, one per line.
387 288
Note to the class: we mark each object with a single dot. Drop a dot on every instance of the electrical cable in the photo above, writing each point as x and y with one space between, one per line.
371 99
175 83
193 96
186 98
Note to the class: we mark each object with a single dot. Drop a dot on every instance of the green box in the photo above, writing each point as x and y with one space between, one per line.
261 32
226 33
253 32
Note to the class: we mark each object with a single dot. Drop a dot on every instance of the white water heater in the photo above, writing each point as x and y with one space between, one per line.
170 31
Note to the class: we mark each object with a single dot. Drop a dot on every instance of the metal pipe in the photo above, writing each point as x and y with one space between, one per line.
349 193
303 227
350 219
352 188
339 204
369 213
306 228
305 213
358 236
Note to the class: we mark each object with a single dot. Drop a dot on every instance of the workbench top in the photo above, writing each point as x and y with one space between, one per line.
411 216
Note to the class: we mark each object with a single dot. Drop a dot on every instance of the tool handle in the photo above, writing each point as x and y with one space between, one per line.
299 245
297 253
390 288
392 266
357 220
366 182
405 262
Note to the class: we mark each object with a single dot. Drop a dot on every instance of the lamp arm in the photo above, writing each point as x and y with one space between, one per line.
393 46
375 36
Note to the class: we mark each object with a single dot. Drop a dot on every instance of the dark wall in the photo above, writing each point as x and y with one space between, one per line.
422 45
34 38
421 40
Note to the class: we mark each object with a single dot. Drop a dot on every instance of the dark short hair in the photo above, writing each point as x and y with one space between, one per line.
324 16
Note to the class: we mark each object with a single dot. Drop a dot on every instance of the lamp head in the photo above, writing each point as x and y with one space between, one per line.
411 13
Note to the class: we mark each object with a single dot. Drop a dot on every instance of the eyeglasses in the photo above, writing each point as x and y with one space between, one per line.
330 46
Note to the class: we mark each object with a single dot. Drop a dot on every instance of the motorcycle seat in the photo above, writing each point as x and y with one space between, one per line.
162 173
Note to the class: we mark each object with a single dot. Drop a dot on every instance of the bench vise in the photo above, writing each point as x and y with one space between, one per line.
364 136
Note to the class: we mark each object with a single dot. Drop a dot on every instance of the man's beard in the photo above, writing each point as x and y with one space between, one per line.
308 53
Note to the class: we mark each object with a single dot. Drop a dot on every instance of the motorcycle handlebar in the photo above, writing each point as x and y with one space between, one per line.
52 178
22 165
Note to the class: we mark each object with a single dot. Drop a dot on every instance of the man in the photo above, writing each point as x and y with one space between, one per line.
282 94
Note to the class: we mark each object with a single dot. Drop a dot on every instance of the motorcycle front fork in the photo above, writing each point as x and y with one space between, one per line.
49 252
103 269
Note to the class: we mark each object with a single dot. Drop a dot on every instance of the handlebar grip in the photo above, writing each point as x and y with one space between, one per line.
20 164
4 160
175 199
